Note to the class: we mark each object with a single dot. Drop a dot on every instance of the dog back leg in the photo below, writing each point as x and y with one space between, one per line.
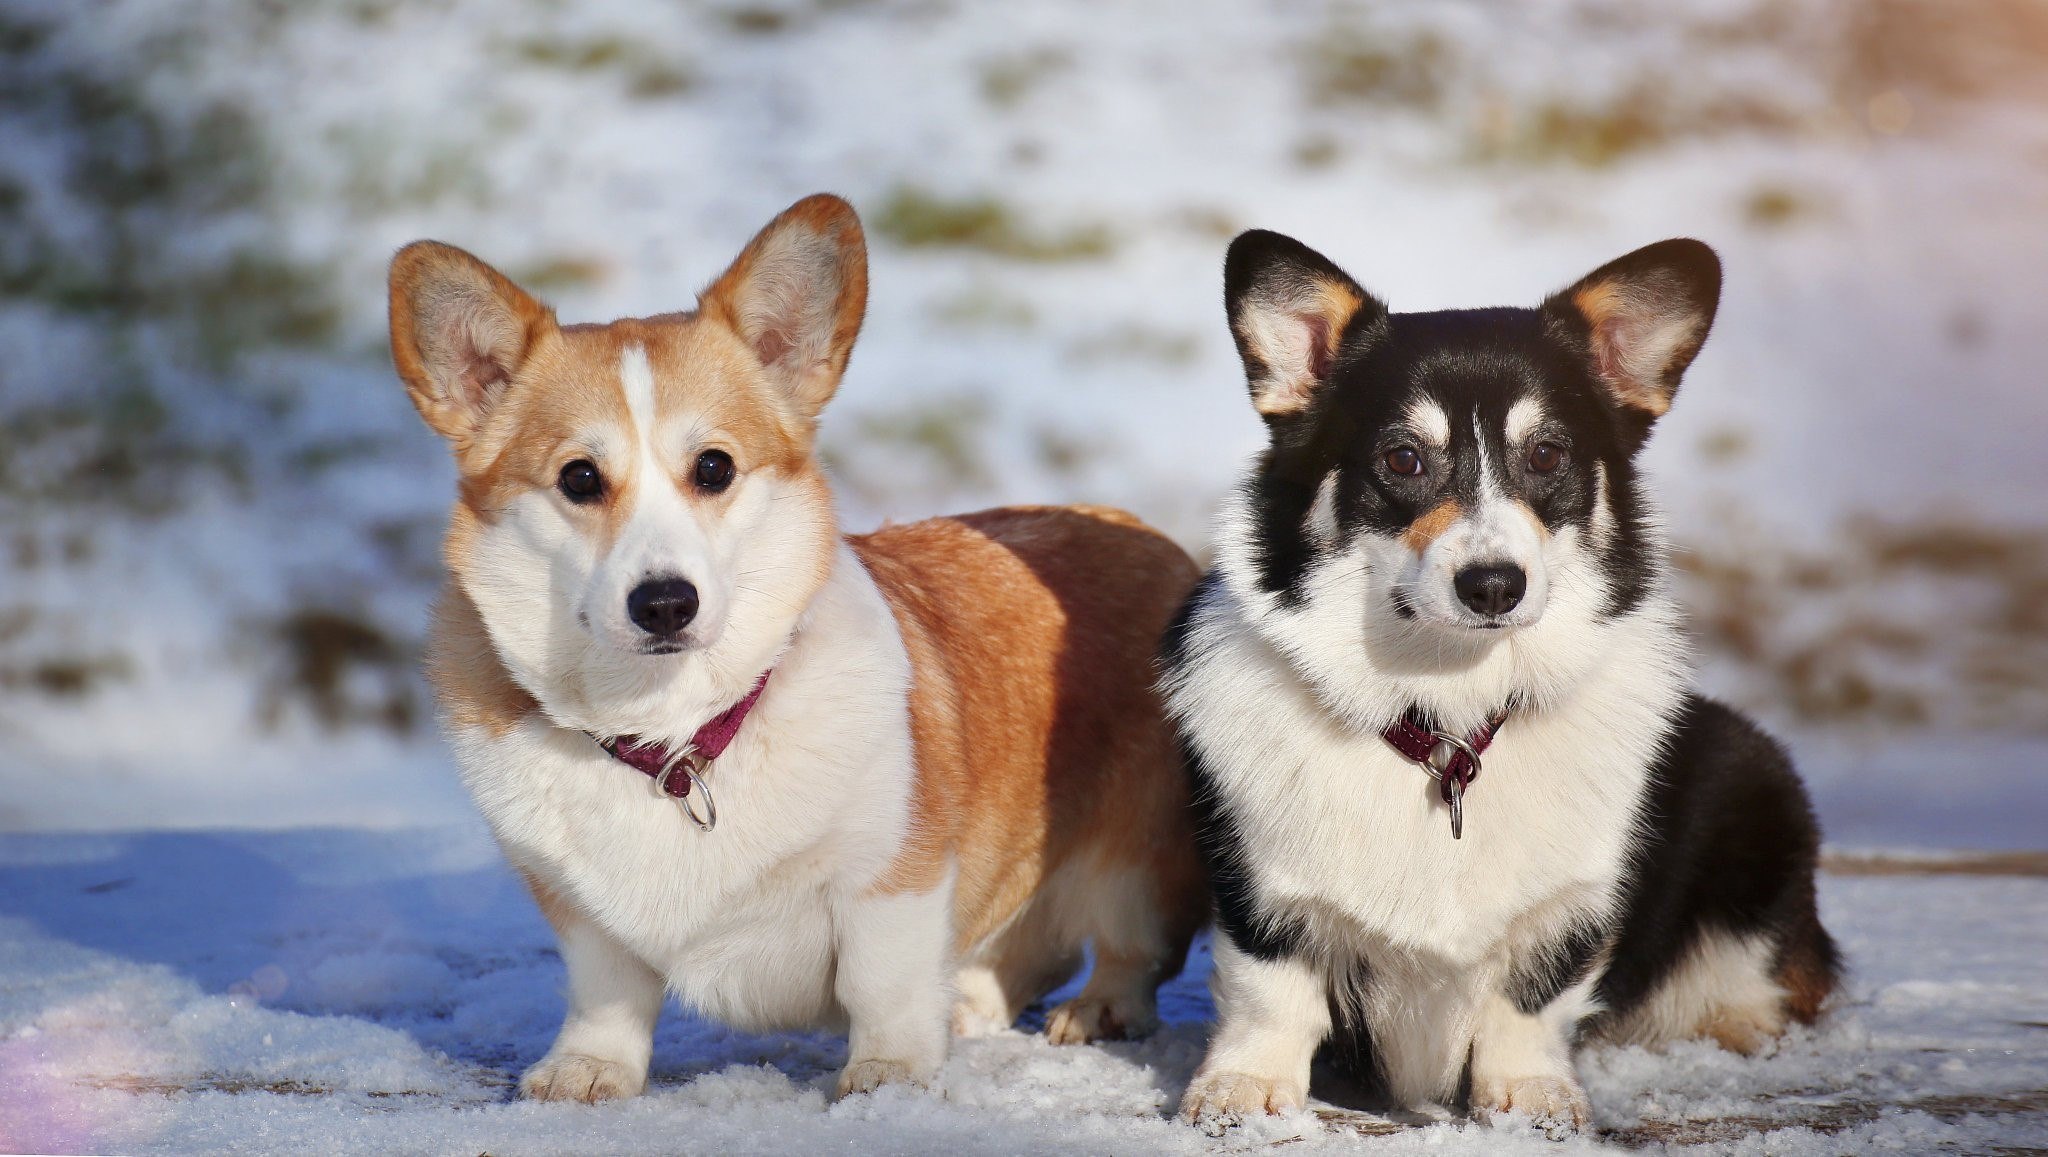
1020 964
1140 921
1720 939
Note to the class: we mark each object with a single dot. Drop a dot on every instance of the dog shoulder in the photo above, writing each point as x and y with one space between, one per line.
471 686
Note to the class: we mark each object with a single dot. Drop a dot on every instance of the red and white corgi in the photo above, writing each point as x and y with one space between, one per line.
940 766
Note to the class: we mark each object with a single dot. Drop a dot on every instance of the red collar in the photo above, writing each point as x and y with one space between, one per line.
1451 761
660 762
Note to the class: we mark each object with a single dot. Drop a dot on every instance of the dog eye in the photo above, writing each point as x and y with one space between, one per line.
1403 460
580 481
1545 457
714 470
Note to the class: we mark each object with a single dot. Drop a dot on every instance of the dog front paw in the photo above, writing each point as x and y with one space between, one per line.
869 1075
1218 1100
574 1077
1555 1104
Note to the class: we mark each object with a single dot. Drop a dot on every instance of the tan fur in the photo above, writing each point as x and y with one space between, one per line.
1605 306
1807 984
459 330
1324 308
1040 739
470 684
818 231
1743 1030
1432 525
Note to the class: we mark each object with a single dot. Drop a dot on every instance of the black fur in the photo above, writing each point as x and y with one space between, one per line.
1216 837
1728 843
1543 977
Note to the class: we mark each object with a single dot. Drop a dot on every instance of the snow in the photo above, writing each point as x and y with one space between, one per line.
360 992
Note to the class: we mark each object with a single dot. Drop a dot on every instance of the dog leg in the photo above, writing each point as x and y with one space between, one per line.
608 1037
1270 1016
1138 942
1119 1002
980 1008
1522 1062
892 980
1025 961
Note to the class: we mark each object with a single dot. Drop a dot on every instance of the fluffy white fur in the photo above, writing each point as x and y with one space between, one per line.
1286 704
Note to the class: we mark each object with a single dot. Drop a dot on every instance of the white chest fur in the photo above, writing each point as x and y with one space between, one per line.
1352 840
813 803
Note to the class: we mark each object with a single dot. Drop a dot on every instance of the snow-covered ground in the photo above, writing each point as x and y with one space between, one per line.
350 992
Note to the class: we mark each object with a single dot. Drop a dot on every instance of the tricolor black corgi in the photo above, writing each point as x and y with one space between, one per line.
1459 805
892 782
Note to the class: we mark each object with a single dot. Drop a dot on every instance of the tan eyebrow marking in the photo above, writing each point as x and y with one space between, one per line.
1432 525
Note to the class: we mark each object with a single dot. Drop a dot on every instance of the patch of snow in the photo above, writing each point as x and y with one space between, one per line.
363 992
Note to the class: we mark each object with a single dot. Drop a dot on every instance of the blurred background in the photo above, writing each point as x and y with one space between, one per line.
219 516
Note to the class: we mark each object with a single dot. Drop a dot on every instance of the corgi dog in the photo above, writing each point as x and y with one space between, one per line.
890 783
1443 562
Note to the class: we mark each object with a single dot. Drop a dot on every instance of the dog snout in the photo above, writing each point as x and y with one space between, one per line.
1491 590
662 607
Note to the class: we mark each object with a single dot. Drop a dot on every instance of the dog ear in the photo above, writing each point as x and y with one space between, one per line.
796 295
1643 318
1289 311
459 331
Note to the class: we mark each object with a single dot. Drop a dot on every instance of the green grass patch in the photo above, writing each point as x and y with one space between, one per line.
920 219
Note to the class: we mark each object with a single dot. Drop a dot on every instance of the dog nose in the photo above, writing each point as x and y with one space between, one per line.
1491 590
662 607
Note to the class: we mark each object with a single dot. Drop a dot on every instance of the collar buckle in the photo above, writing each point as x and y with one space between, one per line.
1438 764
1451 760
692 765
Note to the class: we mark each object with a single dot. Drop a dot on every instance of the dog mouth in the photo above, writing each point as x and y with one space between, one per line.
1437 618
664 647
1480 626
1424 612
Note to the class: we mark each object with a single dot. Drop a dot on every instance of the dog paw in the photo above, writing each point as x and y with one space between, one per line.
1748 1032
573 1077
867 1076
1089 1018
972 1022
1217 1101
1555 1104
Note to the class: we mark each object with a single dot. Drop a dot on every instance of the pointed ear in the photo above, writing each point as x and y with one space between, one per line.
1644 317
1289 311
796 295
459 331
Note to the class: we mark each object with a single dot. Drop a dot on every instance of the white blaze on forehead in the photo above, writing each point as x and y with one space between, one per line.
1429 420
636 378
1523 418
